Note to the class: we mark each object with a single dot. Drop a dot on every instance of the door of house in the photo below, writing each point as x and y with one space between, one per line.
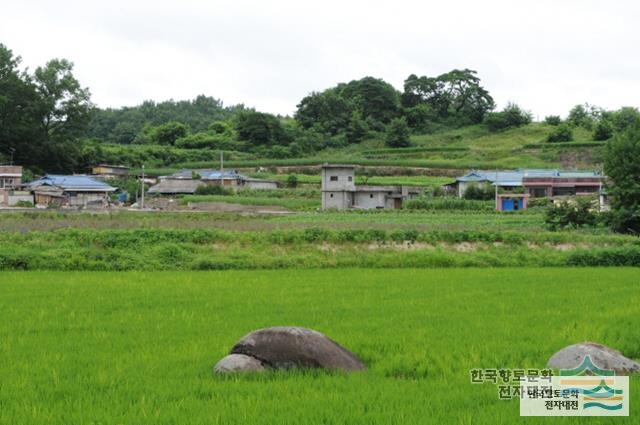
507 204
397 203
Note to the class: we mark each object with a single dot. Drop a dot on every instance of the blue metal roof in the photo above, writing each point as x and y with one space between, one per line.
215 175
75 183
206 174
514 178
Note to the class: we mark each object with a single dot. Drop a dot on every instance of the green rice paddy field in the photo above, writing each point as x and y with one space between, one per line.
138 347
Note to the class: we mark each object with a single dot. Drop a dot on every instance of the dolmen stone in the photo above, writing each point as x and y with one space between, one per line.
238 363
287 348
603 357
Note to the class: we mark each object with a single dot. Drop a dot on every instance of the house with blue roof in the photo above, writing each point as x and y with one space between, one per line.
72 191
514 188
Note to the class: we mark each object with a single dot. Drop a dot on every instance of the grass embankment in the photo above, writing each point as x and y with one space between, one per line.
138 348
201 249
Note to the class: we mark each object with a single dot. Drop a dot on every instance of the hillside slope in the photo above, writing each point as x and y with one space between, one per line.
459 149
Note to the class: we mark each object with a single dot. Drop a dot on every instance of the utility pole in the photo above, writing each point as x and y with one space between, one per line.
221 161
12 150
142 189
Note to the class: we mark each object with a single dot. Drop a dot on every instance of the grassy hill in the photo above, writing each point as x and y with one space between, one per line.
458 149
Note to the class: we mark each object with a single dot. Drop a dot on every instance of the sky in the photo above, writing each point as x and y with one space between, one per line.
547 56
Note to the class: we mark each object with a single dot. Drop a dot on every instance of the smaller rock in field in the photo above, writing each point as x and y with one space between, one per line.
602 356
238 363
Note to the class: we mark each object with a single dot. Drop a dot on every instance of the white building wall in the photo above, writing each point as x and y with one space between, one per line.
337 178
339 200
369 200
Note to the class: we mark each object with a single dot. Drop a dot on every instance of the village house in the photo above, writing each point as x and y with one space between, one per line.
10 184
187 181
339 191
71 191
515 188
109 171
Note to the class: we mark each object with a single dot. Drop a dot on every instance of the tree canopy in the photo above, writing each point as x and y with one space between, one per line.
43 115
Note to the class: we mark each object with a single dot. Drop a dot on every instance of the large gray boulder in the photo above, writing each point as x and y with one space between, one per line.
238 363
294 347
602 356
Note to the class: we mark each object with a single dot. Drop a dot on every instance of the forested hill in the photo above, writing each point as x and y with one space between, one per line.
48 123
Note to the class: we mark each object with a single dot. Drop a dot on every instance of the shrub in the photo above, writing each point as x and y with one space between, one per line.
292 181
606 257
603 130
572 213
553 120
562 133
24 204
539 203
511 116
479 192
213 189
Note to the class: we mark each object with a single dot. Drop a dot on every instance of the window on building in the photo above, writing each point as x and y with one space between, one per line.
350 178
331 196
333 178
564 191
538 192
371 196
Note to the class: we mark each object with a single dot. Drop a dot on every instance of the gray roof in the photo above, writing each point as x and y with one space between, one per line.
514 178
173 186
80 183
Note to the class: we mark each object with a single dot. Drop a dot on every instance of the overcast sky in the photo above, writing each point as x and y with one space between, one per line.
545 55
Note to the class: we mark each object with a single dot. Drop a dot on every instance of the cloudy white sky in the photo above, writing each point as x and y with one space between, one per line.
545 55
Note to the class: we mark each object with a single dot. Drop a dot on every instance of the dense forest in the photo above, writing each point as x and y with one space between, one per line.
48 122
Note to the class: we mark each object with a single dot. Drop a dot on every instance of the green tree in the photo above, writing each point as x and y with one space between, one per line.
357 129
623 171
326 112
583 116
42 115
261 129
372 98
19 111
455 97
167 134
398 134
572 213
65 104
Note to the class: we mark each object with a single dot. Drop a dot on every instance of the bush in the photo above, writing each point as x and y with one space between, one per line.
213 189
562 133
628 256
603 130
539 203
511 116
292 181
479 192
578 212
553 120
